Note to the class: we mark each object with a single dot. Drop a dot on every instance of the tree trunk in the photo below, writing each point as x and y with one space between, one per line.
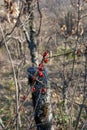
32 44
41 102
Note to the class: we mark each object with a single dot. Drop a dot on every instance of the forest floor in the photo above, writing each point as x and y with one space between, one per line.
56 76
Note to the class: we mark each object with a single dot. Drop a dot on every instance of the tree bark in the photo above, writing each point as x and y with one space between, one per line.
41 102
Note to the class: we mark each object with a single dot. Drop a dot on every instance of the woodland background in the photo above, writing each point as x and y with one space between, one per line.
62 27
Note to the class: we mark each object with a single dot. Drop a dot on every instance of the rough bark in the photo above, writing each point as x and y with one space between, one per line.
41 102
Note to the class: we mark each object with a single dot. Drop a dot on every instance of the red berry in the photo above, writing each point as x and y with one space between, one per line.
24 97
45 53
33 89
41 74
45 60
43 90
33 78
41 65
40 68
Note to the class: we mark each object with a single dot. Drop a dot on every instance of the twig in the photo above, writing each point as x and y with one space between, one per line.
38 7
84 91
1 123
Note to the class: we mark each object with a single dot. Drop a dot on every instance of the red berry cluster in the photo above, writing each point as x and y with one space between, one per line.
41 68
45 57
43 90
41 65
39 73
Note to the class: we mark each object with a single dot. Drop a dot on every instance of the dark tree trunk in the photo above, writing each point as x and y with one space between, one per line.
32 44
41 102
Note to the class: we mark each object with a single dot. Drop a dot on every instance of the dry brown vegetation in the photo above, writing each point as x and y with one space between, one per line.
63 32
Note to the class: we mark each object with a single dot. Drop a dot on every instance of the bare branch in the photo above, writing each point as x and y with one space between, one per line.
15 79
